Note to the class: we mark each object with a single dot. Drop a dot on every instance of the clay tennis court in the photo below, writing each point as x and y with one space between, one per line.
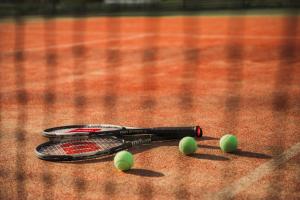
229 74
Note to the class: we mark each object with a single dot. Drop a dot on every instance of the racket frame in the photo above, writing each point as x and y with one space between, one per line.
126 144
116 130
128 136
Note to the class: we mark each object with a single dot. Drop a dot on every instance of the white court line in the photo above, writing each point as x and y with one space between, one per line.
224 36
57 32
236 187
264 37
44 48
200 36
172 34
163 33
99 71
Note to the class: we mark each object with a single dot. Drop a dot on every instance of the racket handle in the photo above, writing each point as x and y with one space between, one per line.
177 132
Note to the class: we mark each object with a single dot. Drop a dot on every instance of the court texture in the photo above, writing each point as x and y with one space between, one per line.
229 73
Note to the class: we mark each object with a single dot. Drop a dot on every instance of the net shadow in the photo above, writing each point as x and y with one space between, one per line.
79 52
49 96
79 58
188 84
150 53
281 99
151 28
113 61
1 112
190 71
22 102
234 56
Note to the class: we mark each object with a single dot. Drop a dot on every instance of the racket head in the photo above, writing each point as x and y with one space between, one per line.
80 130
79 149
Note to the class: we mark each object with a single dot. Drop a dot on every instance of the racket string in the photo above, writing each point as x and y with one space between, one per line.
52 149
81 146
78 129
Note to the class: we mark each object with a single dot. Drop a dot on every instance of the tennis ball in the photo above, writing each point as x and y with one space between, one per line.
123 160
228 143
187 145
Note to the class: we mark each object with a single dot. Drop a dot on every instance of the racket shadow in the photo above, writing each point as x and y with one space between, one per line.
134 150
170 143
144 172
142 148
108 158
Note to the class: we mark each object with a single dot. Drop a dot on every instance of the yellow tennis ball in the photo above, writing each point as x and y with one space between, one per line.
123 160
228 143
188 145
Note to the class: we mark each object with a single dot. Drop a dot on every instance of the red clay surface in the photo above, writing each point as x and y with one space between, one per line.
228 74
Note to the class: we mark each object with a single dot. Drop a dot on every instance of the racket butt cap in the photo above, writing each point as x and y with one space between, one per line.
199 131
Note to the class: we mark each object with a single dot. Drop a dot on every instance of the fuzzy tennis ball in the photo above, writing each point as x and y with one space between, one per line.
123 160
228 143
187 145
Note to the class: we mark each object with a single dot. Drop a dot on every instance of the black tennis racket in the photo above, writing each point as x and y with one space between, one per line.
82 148
95 130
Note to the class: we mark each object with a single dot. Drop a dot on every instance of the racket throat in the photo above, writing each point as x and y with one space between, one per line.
142 139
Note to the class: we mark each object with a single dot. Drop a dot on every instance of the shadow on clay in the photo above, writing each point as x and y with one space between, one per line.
144 172
142 148
96 160
249 154
207 138
135 150
209 157
240 152
208 146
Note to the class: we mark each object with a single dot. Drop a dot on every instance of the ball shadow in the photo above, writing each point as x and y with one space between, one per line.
207 138
208 146
144 172
249 154
240 152
209 157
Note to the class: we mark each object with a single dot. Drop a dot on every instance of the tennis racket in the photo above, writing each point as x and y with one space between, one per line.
82 148
95 130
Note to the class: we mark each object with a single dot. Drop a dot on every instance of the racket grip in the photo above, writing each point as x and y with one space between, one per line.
177 132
